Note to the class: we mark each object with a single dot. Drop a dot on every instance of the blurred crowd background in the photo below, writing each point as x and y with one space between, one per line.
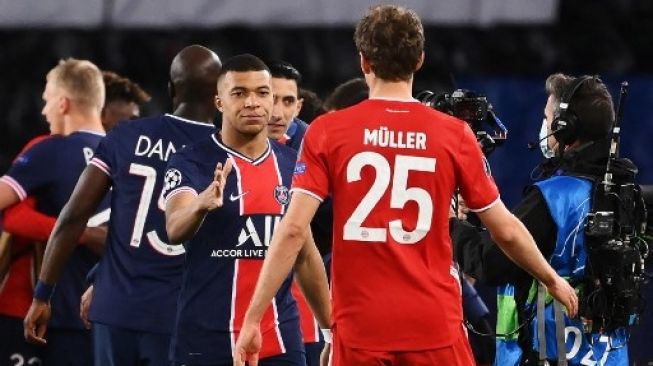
501 48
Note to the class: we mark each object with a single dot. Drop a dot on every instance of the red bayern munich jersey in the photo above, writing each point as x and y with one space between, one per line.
392 168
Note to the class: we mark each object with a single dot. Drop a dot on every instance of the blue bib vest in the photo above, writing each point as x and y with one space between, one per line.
568 201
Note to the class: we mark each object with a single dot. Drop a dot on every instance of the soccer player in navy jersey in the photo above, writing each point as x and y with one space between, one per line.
48 171
139 275
286 128
225 222
391 165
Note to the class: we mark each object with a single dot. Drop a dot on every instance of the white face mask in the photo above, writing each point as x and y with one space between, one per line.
544 143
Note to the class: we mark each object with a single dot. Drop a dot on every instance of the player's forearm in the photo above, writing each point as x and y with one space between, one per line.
312 279
183 218
94 238
521 249
5 253
69 227
26 222
91 187
286 243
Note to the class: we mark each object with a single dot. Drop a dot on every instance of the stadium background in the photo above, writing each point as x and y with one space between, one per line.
502 48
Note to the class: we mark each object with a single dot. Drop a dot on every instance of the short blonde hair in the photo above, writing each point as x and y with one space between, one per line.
81 80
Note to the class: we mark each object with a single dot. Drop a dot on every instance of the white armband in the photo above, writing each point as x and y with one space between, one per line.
326 333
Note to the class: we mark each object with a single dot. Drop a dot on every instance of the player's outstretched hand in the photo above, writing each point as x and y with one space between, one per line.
36 322
84 305
562 291
248 345
213 196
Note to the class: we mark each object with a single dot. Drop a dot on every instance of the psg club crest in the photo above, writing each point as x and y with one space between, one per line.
172 179
281 194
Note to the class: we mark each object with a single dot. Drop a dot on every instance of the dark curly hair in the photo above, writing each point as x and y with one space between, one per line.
120 88
391 38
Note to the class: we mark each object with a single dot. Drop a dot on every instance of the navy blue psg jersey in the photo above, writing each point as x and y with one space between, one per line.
49 171
139 276
224 258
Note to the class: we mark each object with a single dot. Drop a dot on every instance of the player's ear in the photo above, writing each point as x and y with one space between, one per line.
218 103
365 65
171 89
300 104
64 104
420 62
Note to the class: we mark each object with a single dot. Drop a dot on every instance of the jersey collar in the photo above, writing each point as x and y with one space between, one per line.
408 100
233 152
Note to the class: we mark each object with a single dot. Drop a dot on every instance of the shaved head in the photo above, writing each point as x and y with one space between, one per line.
193 75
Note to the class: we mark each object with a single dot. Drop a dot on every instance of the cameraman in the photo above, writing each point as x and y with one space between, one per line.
554 211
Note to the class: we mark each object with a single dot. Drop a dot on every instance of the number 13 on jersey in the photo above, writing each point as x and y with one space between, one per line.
400 194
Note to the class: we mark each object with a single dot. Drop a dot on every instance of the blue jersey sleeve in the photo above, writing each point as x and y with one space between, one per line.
34 168
182 175
105 156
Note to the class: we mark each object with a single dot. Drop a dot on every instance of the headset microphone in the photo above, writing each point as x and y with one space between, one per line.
532 145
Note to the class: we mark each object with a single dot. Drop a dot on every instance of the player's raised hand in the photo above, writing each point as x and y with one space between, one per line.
248 345
212 197
36 321
220 178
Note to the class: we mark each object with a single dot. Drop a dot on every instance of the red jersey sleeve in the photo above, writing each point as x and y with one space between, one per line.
311 170
24 221
474 175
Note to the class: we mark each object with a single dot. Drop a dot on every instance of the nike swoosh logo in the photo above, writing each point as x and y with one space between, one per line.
233 198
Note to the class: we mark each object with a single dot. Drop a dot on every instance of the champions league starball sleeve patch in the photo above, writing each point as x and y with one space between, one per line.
172 179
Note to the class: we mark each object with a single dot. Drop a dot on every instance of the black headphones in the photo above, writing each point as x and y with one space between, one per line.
565 122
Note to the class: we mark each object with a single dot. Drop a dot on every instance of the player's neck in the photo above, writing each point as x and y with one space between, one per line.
250 146
196 112
383 89
77 121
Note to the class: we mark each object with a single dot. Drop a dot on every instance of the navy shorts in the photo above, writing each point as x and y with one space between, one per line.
14 349
115 346
292 358
313 352
68 347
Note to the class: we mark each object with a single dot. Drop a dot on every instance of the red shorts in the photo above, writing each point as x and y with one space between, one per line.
458 354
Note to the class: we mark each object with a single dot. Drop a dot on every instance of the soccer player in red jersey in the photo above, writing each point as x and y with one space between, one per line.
391 165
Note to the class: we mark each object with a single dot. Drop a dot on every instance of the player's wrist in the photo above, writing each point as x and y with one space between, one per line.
252 319
201 207
327 335
43 291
